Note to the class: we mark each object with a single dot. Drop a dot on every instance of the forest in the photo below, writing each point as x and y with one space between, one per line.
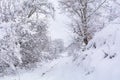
59 39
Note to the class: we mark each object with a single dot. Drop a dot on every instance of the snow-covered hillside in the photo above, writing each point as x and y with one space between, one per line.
104 54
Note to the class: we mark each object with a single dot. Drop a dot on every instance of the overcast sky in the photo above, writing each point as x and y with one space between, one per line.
58 27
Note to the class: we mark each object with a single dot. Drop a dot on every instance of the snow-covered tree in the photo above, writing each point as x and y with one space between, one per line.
82 14
25 25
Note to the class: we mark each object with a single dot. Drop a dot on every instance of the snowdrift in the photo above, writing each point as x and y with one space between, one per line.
103 54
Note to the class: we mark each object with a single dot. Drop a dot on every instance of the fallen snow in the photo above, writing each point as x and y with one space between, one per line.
59 69
107 41
95 66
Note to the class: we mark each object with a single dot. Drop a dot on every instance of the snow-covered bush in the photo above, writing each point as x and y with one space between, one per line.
25 31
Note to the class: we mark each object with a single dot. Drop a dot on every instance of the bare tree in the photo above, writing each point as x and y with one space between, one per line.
81 12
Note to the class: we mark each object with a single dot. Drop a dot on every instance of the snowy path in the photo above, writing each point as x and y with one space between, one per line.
59 69
37 74
65 69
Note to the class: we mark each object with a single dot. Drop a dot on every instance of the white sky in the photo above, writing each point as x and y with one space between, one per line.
58 27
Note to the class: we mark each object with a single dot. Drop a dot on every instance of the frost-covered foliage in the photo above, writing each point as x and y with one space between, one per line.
12 10
25 31
33 44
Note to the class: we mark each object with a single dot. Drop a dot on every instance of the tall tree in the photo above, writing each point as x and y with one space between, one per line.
82 13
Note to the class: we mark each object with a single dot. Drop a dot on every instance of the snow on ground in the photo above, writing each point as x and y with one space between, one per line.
59 69
104 53
101 63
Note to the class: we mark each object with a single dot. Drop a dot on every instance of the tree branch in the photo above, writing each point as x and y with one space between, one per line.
97 8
